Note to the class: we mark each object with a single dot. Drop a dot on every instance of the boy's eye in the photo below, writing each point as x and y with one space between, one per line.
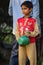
24 8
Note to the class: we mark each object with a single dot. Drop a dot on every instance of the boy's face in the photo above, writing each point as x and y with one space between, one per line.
25 10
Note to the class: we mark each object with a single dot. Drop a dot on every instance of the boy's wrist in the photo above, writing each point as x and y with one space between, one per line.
27 34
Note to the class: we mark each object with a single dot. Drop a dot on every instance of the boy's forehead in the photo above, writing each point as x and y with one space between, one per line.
24 6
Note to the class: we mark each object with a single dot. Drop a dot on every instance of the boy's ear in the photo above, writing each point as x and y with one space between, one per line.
30 9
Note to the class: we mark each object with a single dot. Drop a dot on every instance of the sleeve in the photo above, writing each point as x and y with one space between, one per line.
35 8
17 32
10 10
35 13
36 31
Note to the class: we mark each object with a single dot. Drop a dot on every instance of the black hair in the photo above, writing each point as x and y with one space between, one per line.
27 4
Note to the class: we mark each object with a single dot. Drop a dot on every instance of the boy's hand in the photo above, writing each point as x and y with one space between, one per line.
28 34
21 34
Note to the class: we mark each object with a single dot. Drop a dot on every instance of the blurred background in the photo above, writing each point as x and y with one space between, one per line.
6 36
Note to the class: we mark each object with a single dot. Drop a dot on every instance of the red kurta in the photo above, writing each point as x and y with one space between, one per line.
26 24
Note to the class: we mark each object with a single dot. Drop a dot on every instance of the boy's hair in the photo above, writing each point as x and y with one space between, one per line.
27 4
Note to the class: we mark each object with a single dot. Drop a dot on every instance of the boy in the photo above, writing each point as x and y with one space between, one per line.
31 24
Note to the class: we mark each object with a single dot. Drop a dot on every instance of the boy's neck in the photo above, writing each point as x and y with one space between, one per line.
27 16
